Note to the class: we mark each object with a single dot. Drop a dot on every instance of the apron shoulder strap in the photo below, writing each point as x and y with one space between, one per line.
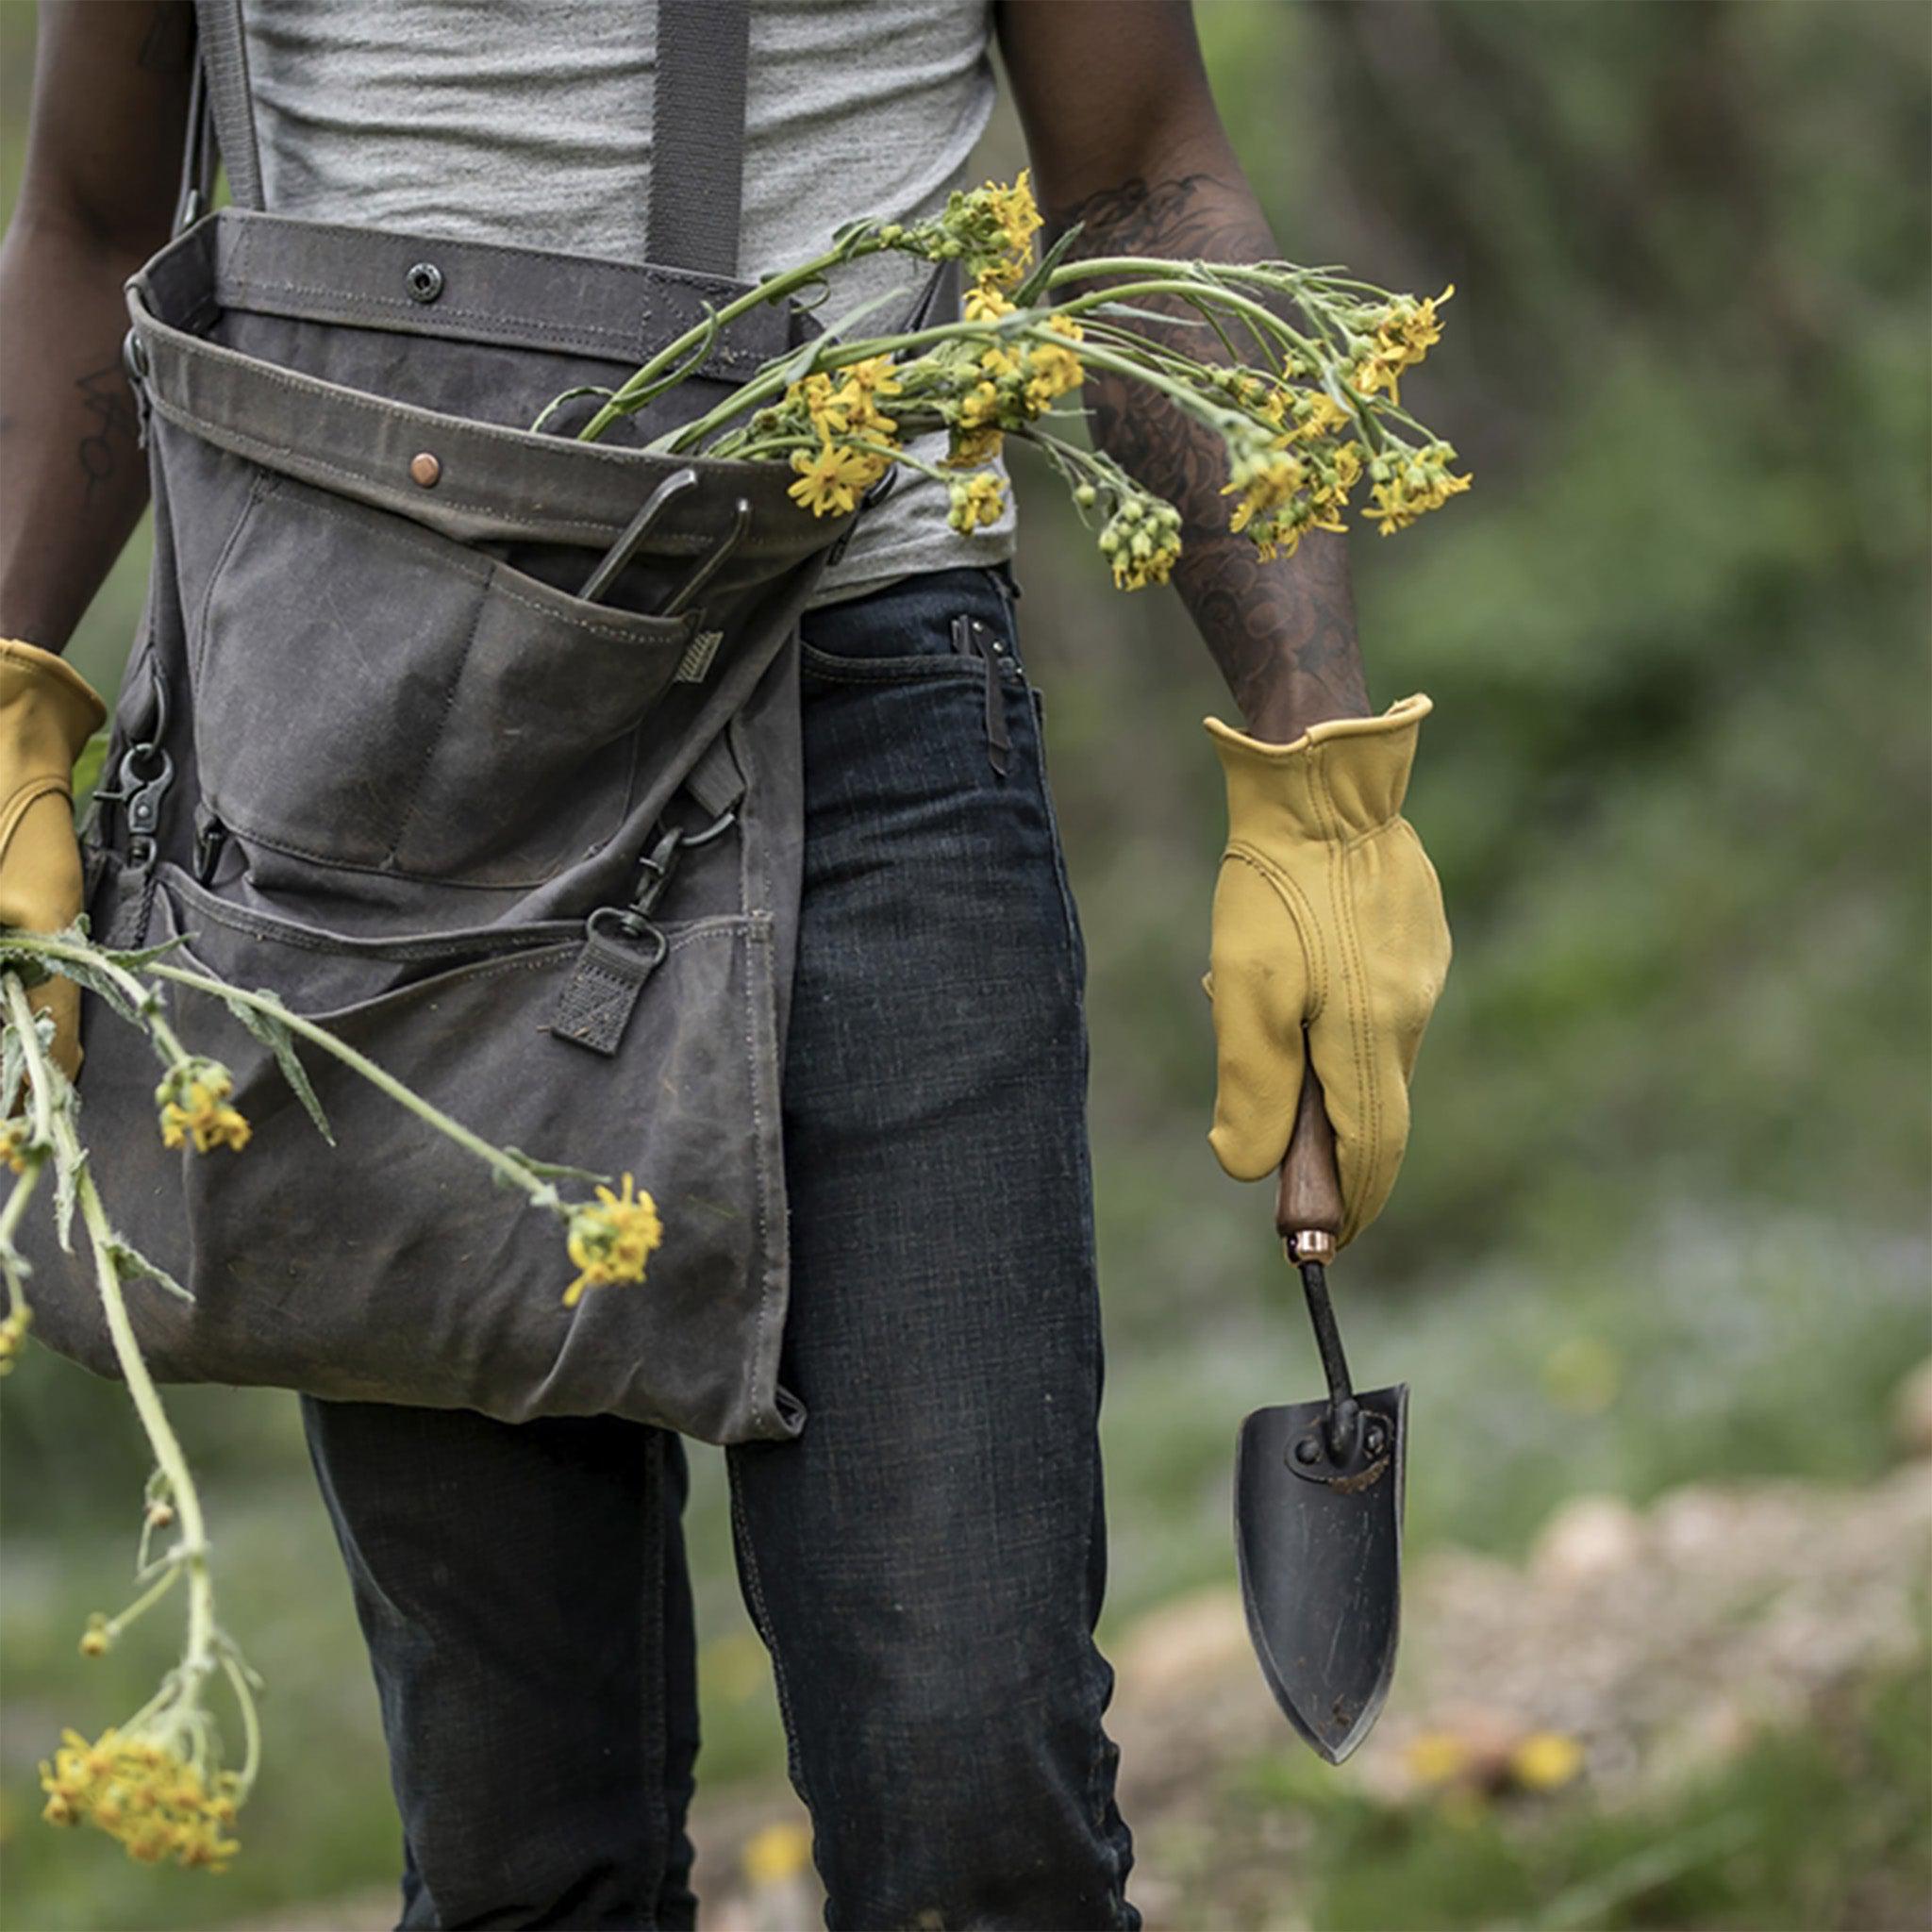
697 135
223 63
697 169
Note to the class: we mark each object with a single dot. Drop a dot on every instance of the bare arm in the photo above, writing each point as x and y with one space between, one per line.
1125 138
104 146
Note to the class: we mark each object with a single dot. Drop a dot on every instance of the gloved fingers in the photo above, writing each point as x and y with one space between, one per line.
1259 985
41 890
1366 1040
1366 1097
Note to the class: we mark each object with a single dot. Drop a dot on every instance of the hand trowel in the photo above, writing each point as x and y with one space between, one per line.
1318 1493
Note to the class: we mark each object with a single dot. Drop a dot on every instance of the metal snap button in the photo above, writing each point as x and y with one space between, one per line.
424 281
425 469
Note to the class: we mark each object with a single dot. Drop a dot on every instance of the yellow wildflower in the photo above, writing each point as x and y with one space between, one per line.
141 1793
1405 331
999 361
1142 542
878 377
986 301
1050 372
777 1853
1546 1761
611 1238
16 1144
1411 484
979 408
825 401
1436 1757
1266 480
1019 220
970 448
976 501
1317 414
831 478
193 1102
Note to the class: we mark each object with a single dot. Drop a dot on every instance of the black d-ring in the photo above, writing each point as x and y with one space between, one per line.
630 925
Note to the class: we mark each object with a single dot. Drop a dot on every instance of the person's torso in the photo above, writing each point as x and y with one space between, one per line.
529 122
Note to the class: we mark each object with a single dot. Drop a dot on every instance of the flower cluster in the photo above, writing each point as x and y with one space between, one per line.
17 1147
137 1787
193 1100
610 1239
1410 483
1142 540
989 230
1313 408
1405 330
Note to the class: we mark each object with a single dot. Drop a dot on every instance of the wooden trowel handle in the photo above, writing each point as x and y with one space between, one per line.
1308 1209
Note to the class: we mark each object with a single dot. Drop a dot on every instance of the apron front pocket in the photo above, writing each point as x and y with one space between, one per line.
388 1267
373 696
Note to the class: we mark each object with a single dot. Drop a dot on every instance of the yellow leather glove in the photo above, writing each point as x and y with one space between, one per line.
49 711
1327 921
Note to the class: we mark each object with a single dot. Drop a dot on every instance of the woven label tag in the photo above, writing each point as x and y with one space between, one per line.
603 988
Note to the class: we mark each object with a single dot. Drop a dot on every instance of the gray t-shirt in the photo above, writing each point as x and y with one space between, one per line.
529 121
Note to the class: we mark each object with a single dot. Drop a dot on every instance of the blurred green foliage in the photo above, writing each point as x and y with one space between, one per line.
1664 1216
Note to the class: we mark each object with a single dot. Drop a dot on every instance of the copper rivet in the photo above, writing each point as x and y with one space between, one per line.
425 469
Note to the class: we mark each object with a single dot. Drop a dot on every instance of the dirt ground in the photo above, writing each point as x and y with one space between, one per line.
1631 1648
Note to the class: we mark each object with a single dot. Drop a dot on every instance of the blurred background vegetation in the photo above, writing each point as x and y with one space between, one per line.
1664 1220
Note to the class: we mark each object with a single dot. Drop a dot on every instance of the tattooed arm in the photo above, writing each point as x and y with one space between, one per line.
104 148
1125 138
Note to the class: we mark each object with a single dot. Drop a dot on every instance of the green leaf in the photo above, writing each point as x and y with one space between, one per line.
97 979
273 1034
1034 287
135 1266
67 1173
569 395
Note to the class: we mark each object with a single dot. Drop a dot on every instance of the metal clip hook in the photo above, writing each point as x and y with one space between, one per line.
620 554
712 564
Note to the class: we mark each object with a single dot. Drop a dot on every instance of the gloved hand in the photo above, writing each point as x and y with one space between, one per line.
49 711
1329 918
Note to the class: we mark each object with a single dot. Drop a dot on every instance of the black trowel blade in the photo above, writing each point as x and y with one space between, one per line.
1321 1567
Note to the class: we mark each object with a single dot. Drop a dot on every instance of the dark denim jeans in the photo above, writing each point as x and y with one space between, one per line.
926 1562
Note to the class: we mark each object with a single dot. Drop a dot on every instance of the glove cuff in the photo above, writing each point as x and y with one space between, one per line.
30 676
1339 780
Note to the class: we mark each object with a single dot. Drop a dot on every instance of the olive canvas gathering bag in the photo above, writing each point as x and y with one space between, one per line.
534 851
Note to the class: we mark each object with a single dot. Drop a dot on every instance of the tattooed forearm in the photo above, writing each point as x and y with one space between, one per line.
1282 633
104 397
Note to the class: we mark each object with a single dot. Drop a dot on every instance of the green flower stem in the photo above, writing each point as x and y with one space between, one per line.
540 1190
18 1196
148 1597
251 1721
190 1550
20 1015
776 289
774 382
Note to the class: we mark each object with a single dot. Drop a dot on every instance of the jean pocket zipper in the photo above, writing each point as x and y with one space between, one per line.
972 639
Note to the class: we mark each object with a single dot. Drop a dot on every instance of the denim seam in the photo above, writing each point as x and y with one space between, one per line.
761 1616
657 1856
1070 912
837 670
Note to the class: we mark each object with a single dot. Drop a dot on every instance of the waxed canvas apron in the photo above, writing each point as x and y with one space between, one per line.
537 854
